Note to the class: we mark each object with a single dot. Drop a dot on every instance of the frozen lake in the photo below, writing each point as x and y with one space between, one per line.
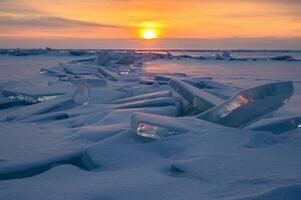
19 67
116 127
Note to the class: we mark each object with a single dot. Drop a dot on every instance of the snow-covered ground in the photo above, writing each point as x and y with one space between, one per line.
139 126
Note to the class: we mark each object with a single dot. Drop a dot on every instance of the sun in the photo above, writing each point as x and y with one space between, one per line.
149 34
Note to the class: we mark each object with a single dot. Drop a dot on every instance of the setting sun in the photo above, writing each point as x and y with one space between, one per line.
149 34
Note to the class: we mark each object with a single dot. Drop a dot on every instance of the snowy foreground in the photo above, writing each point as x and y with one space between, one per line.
126 125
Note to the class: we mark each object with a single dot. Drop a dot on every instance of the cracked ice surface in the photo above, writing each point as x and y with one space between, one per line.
138 137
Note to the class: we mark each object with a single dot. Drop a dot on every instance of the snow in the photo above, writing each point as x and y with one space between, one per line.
123 125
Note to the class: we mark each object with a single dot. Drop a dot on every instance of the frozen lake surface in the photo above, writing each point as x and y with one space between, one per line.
126 125
15 67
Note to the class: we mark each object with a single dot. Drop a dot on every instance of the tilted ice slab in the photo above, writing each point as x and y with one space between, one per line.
157 102
76 69
164 79
35 94
156 127
119 116
145 89
82 94
6 102
107 74
277 125
200 99
210 84
144 97
59 103
250 105
92 80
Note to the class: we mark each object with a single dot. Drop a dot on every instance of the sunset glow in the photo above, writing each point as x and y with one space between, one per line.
149 34
176 19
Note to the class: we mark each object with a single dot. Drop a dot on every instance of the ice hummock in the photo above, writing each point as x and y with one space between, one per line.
82 94
250 104
103 58
71 150
199 99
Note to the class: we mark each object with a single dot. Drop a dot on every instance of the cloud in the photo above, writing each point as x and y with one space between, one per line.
17 7
48 22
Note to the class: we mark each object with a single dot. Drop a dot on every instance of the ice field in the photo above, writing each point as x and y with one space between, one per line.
150 125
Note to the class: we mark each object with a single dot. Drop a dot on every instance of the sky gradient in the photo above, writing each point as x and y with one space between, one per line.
90 20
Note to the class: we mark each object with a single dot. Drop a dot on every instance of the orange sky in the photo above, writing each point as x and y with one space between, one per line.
171 18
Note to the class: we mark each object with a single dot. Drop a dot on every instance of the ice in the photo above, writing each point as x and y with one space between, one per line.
223 56
144 97
128 59
119 116
77 69
6 102
59 103
157 127
53 72
226 54
155 132
92 80
201 100
283 58
97 133
250 105
277 125
135 141
31 99
157 102
167 78
103 58
34 94
36 91
140 90
82 94
107 74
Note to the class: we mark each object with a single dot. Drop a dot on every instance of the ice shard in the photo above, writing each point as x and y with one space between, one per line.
277 125
158 102
82 94
60 103
36 94
102 58
153 95
154 132
6 102
250 105
156 126
26 99
201 100
107 74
